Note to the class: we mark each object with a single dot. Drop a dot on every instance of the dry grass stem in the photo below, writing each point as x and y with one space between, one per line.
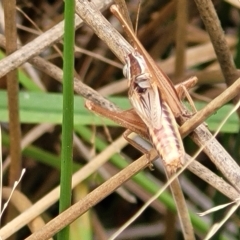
219 156
217 182
22 203
195 56
103 29
30 137
215 31
213 26
181 37
234 3
182 209
13 89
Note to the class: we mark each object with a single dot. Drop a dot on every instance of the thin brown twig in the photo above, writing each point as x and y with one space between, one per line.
135 189
218 155
212 179
215 31
103 29
13 89
181 37
182 209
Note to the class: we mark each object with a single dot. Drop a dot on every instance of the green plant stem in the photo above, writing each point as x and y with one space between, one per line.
67 127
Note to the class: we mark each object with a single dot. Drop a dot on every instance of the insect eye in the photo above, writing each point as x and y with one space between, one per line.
126 71
140 90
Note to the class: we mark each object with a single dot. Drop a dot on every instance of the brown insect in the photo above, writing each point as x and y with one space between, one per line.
146 99
151 103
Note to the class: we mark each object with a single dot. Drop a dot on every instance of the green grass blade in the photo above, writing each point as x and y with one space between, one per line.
39 107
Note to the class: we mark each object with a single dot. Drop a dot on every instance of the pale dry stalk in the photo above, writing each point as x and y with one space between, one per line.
215 31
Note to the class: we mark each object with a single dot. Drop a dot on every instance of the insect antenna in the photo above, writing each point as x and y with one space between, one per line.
137 17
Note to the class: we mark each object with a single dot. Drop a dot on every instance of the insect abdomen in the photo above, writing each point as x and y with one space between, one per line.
167 140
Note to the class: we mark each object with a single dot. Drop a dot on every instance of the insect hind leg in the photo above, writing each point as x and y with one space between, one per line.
183 88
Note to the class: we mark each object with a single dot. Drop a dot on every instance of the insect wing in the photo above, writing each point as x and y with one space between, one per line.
147 103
